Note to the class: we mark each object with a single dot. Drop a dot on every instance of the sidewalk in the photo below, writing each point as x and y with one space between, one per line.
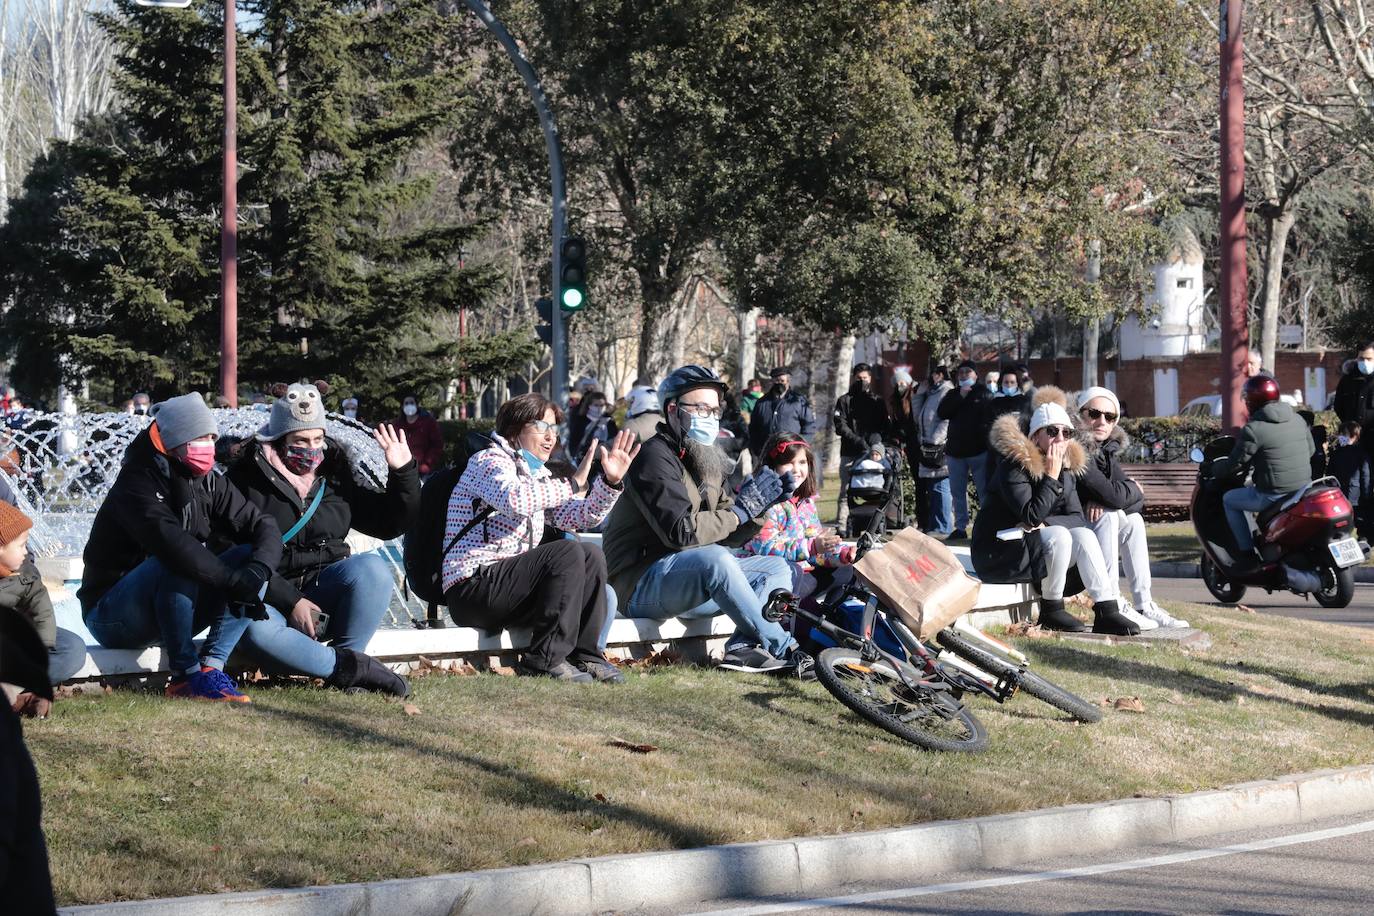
804 866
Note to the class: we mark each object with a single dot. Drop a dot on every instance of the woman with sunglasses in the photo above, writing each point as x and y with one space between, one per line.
1031 527
499 575
1112 503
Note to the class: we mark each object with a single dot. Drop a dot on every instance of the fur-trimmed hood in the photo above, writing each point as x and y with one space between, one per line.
1116 442
1009 438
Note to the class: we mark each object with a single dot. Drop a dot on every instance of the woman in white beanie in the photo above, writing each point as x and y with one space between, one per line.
1112 503
1031 527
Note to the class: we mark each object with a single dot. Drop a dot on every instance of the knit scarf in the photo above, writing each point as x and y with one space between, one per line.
301 483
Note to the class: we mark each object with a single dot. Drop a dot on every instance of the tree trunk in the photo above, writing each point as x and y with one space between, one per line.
1279 227
839 382
1092 329
748 345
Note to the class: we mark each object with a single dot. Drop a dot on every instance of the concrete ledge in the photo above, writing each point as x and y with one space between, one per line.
803 866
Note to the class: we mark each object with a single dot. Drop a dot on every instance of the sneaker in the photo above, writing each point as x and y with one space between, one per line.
602 671
1160 616
806 665
752 660
1137 618
563 671
207 684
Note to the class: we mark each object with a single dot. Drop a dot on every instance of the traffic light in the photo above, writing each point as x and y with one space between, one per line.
544 307
573 280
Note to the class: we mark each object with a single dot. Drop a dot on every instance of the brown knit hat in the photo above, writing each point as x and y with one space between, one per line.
12 522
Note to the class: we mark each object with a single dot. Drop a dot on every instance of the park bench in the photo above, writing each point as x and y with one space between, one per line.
1168 488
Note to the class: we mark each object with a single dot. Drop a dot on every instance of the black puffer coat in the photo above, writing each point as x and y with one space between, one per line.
1021 495
344 505
1104 481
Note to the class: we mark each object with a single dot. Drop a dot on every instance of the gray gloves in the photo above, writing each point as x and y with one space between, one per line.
760 490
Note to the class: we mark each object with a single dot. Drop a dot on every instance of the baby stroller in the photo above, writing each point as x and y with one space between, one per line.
876 509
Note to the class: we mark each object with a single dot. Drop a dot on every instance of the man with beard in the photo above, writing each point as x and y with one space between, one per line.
860 416
668 544
781 410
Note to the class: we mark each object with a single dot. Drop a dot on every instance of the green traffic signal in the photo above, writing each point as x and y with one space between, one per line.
573 274
572 299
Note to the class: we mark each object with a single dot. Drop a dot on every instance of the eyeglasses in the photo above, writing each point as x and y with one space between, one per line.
699 410
1095 414
1057 432
543 428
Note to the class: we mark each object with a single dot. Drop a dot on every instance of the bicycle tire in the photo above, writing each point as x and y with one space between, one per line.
885 693
1031 683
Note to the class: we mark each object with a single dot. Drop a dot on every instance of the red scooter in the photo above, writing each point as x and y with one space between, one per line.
1306 540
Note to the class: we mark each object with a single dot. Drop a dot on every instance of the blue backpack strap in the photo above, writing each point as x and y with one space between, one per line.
305 517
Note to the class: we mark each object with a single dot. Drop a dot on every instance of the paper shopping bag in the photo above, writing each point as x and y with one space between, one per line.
919 579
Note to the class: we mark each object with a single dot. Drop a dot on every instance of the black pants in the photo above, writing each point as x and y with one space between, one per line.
558 589
25 885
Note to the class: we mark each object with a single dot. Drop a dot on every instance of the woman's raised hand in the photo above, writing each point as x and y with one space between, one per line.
615 463
393 443
1055 457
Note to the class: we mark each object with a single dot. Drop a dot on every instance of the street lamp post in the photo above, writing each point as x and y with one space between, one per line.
1235 332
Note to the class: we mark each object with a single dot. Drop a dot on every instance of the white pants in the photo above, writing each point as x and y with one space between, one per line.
1122 539
1065 547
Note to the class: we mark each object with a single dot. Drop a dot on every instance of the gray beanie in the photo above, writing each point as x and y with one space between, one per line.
183 418
300 407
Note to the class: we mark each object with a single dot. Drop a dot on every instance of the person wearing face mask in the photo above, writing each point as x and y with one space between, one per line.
670 543
591 424
1007 398
927 454
500 573
781 410
860 414
422 435
321 591
349 408
140 404
149 578
966 441
1355 394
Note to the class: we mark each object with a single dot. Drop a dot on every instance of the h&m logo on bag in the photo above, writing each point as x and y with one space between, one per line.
919 570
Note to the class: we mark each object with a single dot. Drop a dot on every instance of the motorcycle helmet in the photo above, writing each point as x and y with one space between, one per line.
1260 390
686 378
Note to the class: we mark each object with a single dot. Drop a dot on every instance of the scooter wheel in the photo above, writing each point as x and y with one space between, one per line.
1222 589
1338 586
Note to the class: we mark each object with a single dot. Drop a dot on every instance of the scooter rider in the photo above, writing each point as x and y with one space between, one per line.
1277 447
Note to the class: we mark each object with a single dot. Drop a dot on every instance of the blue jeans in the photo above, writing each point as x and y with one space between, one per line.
705 581
153 605
611 604
960 470
354 592
67 657
1240 501
940 506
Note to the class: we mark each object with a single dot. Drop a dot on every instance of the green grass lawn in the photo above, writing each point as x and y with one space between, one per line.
149 797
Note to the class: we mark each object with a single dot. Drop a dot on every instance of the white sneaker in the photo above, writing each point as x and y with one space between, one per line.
1158 615
1137 618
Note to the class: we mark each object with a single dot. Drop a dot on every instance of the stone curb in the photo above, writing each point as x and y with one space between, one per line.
1163 570
806 865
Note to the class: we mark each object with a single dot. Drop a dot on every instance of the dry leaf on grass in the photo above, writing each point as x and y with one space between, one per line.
630 746
1027 630
528 841
600 797
1245 609
410 709
504 671
1082 599
656 660
1128 704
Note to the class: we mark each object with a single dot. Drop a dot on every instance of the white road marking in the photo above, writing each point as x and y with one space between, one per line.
1107 868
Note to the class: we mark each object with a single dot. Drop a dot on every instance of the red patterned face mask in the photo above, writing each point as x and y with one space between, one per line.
200 457
302 459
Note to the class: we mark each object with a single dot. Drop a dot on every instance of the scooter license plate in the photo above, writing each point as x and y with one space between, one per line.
1346 552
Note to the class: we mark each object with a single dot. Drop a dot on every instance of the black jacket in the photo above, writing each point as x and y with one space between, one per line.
1103 480
858 415
968 421
1355 397
788 413
995 407
155 510
1350 465
1020 494
344 505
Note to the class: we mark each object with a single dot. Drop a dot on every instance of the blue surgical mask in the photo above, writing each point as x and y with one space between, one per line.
1342 441
704 430
966 382
1011 390
1366 366
533 461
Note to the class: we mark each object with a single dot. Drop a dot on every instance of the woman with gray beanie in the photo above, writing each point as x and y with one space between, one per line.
149 578
322 593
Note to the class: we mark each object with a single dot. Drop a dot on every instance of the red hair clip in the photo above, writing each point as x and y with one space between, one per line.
784 446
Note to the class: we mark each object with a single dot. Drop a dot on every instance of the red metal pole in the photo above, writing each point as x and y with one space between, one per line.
462 382
1235 332
229 231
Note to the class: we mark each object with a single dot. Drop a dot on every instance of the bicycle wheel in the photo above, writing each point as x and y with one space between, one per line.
1031 683
926 717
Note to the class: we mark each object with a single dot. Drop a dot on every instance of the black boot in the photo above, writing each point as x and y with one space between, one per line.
1054 617
1107 619
356 671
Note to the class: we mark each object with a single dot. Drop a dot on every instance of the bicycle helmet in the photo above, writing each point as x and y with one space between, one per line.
1260 390
686 378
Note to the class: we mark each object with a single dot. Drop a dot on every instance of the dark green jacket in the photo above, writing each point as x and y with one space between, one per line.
1277 445
24 594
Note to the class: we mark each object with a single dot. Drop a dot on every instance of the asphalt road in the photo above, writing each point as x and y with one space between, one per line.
1315 869
1360 612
